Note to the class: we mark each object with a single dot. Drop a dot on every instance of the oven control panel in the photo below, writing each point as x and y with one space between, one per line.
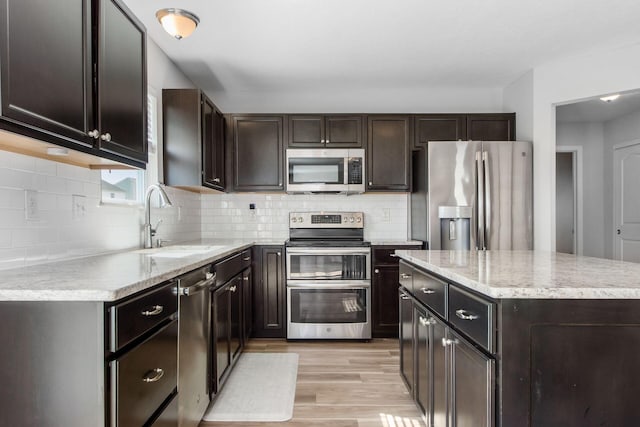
326 220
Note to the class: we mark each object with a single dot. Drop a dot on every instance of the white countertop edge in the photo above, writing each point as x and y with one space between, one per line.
525 293
101 295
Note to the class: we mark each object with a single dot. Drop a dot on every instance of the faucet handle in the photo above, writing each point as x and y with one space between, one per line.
154 229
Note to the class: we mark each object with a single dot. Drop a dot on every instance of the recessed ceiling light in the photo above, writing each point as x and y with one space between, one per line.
57 151
610 98
177 22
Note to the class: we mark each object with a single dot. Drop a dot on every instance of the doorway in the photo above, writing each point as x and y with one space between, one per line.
626 205
568 199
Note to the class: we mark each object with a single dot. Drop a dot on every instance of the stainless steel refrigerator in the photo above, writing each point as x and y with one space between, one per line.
473 195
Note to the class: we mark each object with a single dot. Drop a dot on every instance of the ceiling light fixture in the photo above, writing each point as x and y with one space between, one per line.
177 22
610 98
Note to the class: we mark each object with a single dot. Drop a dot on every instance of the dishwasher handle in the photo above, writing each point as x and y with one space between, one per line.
197 287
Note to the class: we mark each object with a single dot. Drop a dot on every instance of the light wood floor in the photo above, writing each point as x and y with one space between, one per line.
343 384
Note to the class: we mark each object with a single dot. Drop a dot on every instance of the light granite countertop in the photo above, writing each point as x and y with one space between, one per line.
396 243
532 274
112 276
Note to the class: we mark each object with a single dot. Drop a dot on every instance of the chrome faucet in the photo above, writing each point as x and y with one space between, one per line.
149 231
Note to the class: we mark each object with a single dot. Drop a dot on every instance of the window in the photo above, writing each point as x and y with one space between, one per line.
127 186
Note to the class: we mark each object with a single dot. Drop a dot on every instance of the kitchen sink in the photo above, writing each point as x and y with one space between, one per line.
178 251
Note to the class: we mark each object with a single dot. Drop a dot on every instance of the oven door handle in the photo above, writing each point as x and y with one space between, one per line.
328 251
324 285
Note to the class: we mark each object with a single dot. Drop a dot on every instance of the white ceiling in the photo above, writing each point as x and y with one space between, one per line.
286 46
595 110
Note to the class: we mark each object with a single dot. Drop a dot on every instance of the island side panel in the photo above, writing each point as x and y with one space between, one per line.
569 363
52 364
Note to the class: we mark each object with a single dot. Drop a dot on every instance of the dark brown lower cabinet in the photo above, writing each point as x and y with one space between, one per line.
452 382
384 290
269 297
227 340
406 340
247 301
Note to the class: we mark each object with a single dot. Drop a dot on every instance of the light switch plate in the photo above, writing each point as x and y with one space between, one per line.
31 212
386 215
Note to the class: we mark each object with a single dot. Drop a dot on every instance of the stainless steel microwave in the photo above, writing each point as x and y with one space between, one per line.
330 170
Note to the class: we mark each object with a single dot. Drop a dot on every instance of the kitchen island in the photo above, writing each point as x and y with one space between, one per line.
521 338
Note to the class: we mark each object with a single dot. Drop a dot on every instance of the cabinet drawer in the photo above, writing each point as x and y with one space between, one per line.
431 292
406 276
169 416
472 315
225 270
144 378
136 316
384 256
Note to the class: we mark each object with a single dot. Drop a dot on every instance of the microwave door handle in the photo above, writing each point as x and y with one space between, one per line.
325 285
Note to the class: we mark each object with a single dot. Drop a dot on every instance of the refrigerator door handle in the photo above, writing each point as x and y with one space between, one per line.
479 202
487 198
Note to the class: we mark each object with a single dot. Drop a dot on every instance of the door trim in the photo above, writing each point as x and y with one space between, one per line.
617 196
578 200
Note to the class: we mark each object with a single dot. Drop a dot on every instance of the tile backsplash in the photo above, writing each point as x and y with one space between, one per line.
228 215
54 232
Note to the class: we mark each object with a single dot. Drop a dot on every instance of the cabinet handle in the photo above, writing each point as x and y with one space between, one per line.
216 180
322 141
370 182
405 276
327 141
157 309
248 258
377 271
153 375
448 341
106 137
427 322
427 291
279 253
466 315
232 289
404 297
94 134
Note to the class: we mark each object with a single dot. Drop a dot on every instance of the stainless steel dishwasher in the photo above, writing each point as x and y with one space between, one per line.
194 323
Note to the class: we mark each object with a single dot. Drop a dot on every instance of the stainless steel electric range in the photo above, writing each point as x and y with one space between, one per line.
328 276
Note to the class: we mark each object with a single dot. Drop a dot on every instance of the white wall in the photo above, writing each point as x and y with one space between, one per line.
229 216
380 100
518 97
589 136
56 234
617 131
565 81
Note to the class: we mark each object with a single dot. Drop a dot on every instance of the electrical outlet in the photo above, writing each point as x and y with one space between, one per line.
386 215
78 206
31 205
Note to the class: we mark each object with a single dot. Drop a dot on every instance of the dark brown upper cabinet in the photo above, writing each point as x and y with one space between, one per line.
78 80
257 152
388 153
122 82
193 129
438 127
315 131
491 127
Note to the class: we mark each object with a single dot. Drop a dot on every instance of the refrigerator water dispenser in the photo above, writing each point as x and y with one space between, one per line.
455 227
